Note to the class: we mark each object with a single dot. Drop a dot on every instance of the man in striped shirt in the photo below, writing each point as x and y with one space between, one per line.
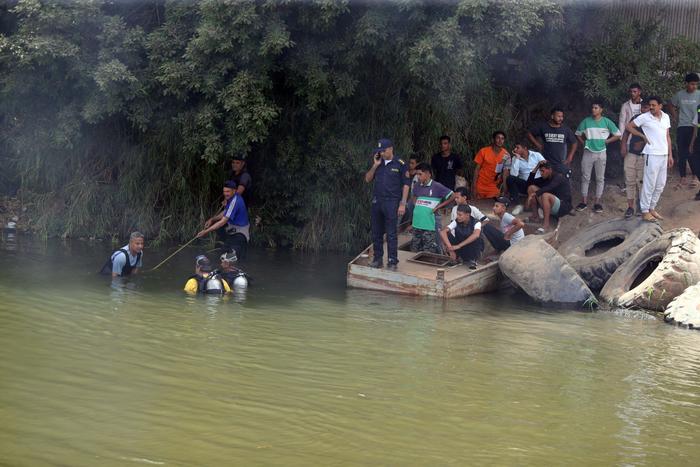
594 133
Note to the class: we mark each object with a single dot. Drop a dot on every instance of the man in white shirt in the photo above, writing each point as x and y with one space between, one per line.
657 152
521 165
462 199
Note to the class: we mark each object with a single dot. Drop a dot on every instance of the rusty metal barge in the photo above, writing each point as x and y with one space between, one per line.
424 274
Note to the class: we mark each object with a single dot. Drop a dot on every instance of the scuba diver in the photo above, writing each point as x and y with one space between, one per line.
126 260
204 280
235 277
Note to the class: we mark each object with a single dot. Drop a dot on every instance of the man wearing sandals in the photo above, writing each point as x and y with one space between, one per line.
657 153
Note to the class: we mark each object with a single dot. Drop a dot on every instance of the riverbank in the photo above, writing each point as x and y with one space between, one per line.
677 206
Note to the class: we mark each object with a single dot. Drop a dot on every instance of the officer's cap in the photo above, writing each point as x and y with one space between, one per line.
239 157
383 144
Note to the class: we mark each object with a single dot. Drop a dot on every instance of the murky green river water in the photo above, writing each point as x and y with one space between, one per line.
303 372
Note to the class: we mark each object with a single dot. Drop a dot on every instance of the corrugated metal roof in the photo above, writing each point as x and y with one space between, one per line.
678 17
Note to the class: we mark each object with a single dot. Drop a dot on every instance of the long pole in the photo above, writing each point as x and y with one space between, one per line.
176 252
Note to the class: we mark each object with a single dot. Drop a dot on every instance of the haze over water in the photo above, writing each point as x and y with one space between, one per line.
301 371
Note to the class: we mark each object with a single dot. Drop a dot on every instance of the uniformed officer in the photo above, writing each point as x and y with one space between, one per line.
391 186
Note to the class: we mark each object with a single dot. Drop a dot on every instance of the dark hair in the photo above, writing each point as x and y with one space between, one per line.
635 86
414 156
545 165
445 137
503 200
424 167
230 184
655 98
555 110
524 143
598 102
464 208
692 78
462 190
498 132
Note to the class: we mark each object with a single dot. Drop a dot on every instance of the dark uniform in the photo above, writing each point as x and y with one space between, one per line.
389 180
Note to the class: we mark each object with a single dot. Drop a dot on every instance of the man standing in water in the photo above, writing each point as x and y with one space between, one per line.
231 225
391 186
128 259
558 144
657 152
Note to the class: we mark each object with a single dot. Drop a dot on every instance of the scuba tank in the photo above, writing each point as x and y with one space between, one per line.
210 284
240 281
213 285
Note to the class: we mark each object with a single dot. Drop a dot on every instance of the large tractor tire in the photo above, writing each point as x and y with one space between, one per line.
597 251
685 308
543 273
656 274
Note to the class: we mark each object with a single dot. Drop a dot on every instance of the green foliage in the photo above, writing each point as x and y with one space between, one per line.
123 115
636 52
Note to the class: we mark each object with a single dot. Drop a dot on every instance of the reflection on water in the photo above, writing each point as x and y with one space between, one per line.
301 371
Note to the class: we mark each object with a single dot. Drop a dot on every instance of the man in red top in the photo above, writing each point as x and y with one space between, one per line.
489 166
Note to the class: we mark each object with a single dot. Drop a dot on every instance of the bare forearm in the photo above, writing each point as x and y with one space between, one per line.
534 141
444 203
404 194
634 131
444 238
369 176
217 225
469 239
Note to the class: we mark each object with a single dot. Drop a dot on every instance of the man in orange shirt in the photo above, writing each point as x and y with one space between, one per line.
489 166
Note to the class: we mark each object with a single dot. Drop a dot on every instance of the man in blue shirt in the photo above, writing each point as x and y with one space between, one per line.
391 185
231 225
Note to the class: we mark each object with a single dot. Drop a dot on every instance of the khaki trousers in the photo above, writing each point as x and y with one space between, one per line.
634 174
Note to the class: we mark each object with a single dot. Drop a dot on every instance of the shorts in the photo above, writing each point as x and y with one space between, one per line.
555 206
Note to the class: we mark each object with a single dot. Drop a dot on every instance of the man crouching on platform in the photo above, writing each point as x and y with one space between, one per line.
462 237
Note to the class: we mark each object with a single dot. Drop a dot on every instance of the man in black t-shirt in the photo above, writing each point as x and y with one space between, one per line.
553 194
445 164
240 175
558 143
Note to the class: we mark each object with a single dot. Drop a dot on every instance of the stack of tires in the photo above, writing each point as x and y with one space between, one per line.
633 264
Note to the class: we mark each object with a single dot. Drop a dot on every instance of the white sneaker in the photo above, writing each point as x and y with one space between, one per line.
540 213
517 209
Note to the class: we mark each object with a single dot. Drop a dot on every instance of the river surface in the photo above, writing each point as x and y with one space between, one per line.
302 372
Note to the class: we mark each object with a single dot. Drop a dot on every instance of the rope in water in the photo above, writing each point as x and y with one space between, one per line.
176 252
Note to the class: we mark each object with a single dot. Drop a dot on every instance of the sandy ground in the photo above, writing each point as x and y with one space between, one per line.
677 205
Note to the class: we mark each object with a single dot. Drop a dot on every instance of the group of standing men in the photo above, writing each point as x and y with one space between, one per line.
542 178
